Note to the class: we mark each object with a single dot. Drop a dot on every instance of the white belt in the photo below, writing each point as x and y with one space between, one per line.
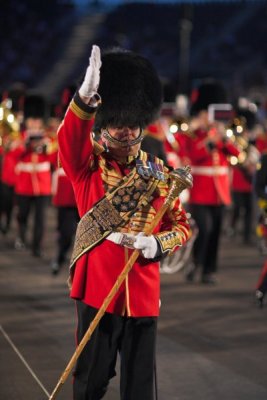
56 174
31 167
209 171
123 239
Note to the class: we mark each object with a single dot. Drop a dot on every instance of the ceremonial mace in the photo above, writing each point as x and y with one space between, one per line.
181 179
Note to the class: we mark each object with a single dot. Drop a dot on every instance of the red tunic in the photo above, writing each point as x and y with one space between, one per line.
62 190
8 169
261 143
241 181
176 150
210 170
33 172
97 270
9 164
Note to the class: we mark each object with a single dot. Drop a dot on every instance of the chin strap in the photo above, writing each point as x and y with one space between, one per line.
122 143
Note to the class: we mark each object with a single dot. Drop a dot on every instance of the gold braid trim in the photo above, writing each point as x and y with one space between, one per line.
79 112
168 240
113 210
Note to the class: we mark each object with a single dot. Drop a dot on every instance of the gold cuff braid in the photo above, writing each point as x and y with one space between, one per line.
84 115
168 241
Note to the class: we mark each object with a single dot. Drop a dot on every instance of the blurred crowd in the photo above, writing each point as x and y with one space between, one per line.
27 30
215 34
222 143
218 39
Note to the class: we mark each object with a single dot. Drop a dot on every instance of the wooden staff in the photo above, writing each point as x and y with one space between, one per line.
180 180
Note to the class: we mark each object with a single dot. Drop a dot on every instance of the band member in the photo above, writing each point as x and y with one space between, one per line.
153 141
118 189
209 150
177 131
33 175
8 183
243 173
67 216
10 139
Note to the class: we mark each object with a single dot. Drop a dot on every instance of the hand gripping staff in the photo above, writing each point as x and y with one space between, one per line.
181 179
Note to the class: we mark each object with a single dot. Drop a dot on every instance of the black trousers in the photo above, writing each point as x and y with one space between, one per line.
6 206
25 205
67 220
243 201
133 338
205 250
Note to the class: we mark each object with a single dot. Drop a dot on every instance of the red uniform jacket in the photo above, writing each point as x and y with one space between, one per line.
261 143
210 170
62 190
33 172
96 271
9 163
241 180
176 150
8 169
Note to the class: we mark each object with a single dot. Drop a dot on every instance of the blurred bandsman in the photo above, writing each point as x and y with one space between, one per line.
208 149
33 173
261 138
153 142
10 138
177 133
67 216
243 171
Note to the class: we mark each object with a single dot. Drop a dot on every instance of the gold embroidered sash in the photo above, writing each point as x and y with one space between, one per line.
113 210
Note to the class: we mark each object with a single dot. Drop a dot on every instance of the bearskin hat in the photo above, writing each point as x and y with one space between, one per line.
35 106
130 90
17 94
249 117
209 92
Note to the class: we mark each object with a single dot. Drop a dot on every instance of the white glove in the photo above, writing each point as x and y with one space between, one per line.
124 239
147 244
90 84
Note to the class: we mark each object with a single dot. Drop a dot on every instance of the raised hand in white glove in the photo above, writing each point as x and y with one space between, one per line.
91 80
147 244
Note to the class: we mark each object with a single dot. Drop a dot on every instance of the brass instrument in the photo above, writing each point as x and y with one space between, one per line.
249 155
9 125
182 125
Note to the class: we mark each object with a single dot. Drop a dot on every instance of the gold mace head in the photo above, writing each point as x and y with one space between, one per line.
181 179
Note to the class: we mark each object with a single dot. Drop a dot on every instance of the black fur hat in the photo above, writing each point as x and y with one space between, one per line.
209 92
249 117
130 90
35 106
